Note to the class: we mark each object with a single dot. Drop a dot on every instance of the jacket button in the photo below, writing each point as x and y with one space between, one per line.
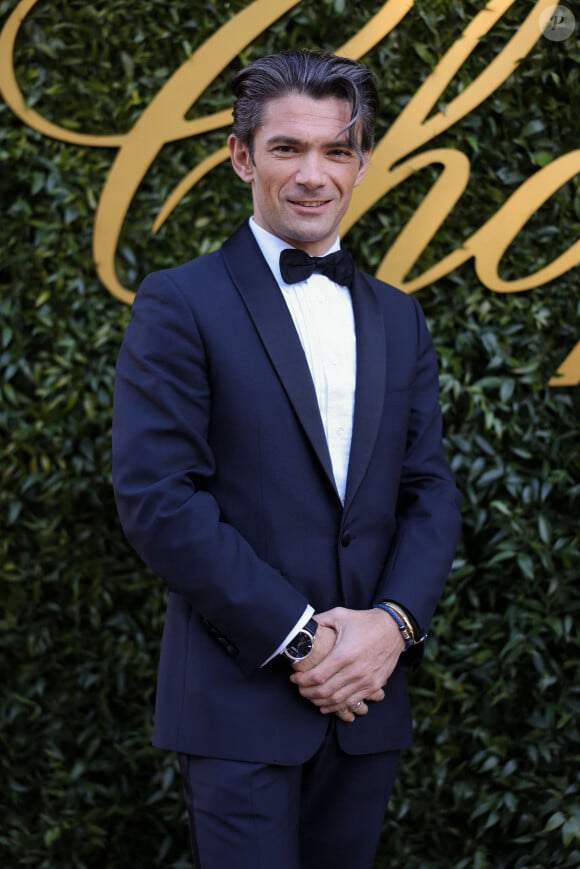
345 540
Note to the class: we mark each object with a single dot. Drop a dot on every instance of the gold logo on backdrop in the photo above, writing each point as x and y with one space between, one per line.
164 121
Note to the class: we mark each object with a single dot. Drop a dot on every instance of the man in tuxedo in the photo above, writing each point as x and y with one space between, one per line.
277 461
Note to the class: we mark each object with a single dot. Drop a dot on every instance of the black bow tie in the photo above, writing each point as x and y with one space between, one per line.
295 265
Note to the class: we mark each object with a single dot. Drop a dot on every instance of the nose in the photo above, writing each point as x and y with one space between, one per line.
310 173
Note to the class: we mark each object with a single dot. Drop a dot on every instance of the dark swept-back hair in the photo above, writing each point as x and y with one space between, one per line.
316 74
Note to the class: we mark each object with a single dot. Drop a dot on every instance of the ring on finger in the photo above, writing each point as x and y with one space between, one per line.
356 706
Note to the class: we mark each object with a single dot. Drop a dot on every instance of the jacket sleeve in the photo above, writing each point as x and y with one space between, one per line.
428 517
162 468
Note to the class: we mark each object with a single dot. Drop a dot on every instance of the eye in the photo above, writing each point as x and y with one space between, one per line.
341 153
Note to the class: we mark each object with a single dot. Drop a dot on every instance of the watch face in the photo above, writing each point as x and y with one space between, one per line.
300 646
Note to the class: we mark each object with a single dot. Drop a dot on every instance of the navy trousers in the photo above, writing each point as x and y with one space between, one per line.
323 814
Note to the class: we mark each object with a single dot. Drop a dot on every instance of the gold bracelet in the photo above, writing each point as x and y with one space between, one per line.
404 618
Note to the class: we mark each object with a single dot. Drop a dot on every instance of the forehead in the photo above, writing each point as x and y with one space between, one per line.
298 115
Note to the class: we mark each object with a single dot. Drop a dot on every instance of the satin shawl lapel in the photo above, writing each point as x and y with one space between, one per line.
266 306
370 381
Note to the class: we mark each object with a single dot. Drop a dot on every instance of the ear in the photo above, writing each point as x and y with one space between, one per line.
241 159
362 167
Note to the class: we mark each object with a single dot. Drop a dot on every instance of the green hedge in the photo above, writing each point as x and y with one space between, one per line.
493 778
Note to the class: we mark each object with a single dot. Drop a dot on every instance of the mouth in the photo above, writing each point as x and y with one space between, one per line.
309 203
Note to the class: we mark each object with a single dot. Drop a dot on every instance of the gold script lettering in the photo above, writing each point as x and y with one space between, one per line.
164 121
413 128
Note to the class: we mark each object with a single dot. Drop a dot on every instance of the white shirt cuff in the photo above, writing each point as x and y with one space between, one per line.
305 617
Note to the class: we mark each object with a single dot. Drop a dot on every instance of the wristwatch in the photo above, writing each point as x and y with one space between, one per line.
301 643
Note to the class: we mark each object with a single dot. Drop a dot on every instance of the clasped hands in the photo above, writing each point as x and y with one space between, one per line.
354 654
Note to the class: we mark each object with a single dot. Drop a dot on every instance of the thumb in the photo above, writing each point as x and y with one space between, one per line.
329 618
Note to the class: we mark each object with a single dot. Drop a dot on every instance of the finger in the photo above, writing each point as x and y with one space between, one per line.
345 715
359 708
326 704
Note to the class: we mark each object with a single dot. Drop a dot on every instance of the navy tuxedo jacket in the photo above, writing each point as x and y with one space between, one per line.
224 487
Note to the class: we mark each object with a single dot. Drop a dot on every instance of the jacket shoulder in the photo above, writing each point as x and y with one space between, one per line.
386 290
184 274
395 300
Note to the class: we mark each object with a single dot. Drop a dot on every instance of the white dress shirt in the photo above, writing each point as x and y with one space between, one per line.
323 317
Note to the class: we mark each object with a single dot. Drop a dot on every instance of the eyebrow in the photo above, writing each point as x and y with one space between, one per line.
291 140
